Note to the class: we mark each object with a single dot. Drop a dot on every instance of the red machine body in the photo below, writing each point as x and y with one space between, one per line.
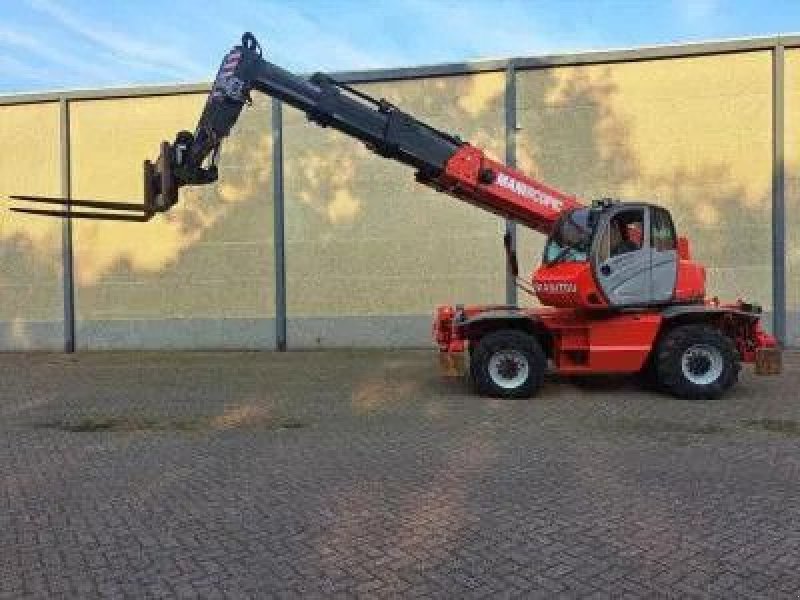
580 328
475 178
585 343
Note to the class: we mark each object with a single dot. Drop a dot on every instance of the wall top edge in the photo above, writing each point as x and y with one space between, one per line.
446 69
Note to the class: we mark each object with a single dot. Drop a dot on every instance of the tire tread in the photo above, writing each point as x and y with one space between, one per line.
511 339
668 370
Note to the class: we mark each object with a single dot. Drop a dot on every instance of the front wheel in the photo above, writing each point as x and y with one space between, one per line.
697 362
508 364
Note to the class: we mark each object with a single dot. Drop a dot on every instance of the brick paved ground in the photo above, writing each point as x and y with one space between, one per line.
364 474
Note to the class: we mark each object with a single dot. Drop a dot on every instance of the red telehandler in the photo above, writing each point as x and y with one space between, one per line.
619 290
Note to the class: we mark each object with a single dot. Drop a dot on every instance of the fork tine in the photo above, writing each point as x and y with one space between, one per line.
98 216
82 203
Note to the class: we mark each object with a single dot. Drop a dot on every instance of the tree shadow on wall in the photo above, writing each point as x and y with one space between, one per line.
729 227
31 293
571 137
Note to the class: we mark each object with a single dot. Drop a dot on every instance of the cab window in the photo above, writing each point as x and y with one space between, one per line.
571 239
626 232
662 231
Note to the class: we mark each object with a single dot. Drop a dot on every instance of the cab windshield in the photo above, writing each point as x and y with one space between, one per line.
571 239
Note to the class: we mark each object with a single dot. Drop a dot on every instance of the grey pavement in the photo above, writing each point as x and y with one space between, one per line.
365 474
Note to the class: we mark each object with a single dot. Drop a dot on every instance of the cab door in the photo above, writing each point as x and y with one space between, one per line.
663 256
622 257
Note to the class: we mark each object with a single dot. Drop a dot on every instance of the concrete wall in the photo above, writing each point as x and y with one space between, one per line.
31 307
369 252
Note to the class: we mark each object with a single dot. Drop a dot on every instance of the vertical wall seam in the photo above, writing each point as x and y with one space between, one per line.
778 197
511 161
67 257
278 226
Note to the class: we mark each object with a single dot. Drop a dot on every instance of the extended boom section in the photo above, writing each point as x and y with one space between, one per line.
441 160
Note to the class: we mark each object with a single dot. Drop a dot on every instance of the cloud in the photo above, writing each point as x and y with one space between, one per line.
13 67
354 35
301 41
148 55
480 29
33 45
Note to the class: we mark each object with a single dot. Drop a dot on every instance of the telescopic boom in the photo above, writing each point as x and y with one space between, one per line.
442 160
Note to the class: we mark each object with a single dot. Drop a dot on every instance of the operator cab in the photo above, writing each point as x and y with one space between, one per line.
610 255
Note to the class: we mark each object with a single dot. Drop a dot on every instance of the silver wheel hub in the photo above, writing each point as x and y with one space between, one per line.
702 364
508 369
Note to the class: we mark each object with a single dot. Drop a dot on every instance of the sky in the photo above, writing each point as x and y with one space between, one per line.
68 44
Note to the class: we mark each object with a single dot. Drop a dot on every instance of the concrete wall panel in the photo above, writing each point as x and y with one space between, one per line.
792 175
365 241
190 278
31 297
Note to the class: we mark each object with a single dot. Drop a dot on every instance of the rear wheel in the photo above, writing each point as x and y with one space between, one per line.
697 362
508 364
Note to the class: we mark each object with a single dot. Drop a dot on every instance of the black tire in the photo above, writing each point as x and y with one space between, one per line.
486 364
696 362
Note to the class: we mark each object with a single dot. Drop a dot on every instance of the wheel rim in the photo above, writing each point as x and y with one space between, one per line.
702 364
508 369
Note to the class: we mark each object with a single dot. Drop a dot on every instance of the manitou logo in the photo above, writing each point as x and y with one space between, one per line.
528 191
555 287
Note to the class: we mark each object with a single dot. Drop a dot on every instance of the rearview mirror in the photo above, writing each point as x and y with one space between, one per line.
511 255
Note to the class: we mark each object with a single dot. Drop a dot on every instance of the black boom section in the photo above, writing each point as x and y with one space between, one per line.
380 125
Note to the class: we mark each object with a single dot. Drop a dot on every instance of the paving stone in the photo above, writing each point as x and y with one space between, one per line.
363 474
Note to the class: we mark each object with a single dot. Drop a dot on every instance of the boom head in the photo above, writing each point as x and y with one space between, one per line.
191 158
160 185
